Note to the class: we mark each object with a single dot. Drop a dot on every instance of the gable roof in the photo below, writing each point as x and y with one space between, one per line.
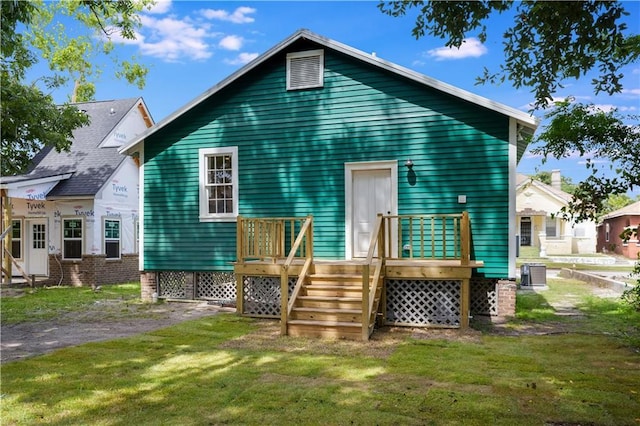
630 210
522 118
86 167
524 180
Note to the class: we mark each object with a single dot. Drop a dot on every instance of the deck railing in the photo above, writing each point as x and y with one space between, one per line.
432 237
302 244
269 238
368 294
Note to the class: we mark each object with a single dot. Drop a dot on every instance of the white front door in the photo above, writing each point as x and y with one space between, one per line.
37 255
371 195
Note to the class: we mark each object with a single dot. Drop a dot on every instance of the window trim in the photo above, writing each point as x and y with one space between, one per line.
105 239
203 154
81 239
306 54
20 239
556 224
136 236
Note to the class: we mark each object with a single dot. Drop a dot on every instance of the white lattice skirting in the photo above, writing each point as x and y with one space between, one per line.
422 303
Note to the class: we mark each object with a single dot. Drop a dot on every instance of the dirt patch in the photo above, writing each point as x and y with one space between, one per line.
105 320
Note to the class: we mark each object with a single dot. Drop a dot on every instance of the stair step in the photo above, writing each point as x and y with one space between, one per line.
355 325
331 299
326 314
350 277
338 286
329 310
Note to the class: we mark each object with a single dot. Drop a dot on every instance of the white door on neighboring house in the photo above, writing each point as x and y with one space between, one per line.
372 191
37 254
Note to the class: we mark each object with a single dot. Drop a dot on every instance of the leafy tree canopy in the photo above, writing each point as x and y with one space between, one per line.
566 183
603 135
32 30
548 44
616 202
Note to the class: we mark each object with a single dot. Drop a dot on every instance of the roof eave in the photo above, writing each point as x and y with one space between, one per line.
521 117
35 181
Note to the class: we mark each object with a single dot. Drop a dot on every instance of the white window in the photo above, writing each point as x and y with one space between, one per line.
112 238
218 184
551 227
607 230
72 238
16 238
305 69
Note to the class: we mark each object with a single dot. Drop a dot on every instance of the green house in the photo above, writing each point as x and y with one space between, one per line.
316 128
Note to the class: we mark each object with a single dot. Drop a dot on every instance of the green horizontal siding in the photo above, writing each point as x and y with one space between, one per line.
292 147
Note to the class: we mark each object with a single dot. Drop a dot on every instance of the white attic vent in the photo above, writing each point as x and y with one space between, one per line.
305 69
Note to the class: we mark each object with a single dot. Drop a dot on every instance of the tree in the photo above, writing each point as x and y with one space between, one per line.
606 135
566 183
549 43
30 118
616 202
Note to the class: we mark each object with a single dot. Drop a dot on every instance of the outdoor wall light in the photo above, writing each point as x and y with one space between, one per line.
408 163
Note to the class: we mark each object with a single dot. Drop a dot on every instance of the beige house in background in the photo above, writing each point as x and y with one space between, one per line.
538 225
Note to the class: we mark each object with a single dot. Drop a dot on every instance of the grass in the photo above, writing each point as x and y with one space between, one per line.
226 369
44 303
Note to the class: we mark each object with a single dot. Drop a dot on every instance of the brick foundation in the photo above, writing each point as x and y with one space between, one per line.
92 270
506 297
148 285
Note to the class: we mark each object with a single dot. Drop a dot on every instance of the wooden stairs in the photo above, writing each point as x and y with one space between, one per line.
330 304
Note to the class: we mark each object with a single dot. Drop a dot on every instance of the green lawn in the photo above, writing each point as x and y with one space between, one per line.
230 370
44 303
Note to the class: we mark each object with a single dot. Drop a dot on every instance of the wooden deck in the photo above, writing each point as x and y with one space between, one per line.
345 298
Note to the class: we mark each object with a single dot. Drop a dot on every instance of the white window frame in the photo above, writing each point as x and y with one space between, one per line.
205 215
556 224
136 236
607 231
20 239
106 240
81 239
306 54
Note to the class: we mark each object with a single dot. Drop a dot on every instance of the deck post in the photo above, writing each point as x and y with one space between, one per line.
465 239
239 240
365 302
309 242
464 304
284 299
239 294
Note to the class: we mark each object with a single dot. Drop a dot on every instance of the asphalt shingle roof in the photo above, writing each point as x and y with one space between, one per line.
630 210
91 165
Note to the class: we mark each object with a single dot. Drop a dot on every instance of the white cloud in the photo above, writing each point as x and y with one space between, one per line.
631 91
601 161
231 42
531 156
241 59
611 107
160 7
470 48
173 40
239 16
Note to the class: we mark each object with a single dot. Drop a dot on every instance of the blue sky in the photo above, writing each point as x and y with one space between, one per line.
190 46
